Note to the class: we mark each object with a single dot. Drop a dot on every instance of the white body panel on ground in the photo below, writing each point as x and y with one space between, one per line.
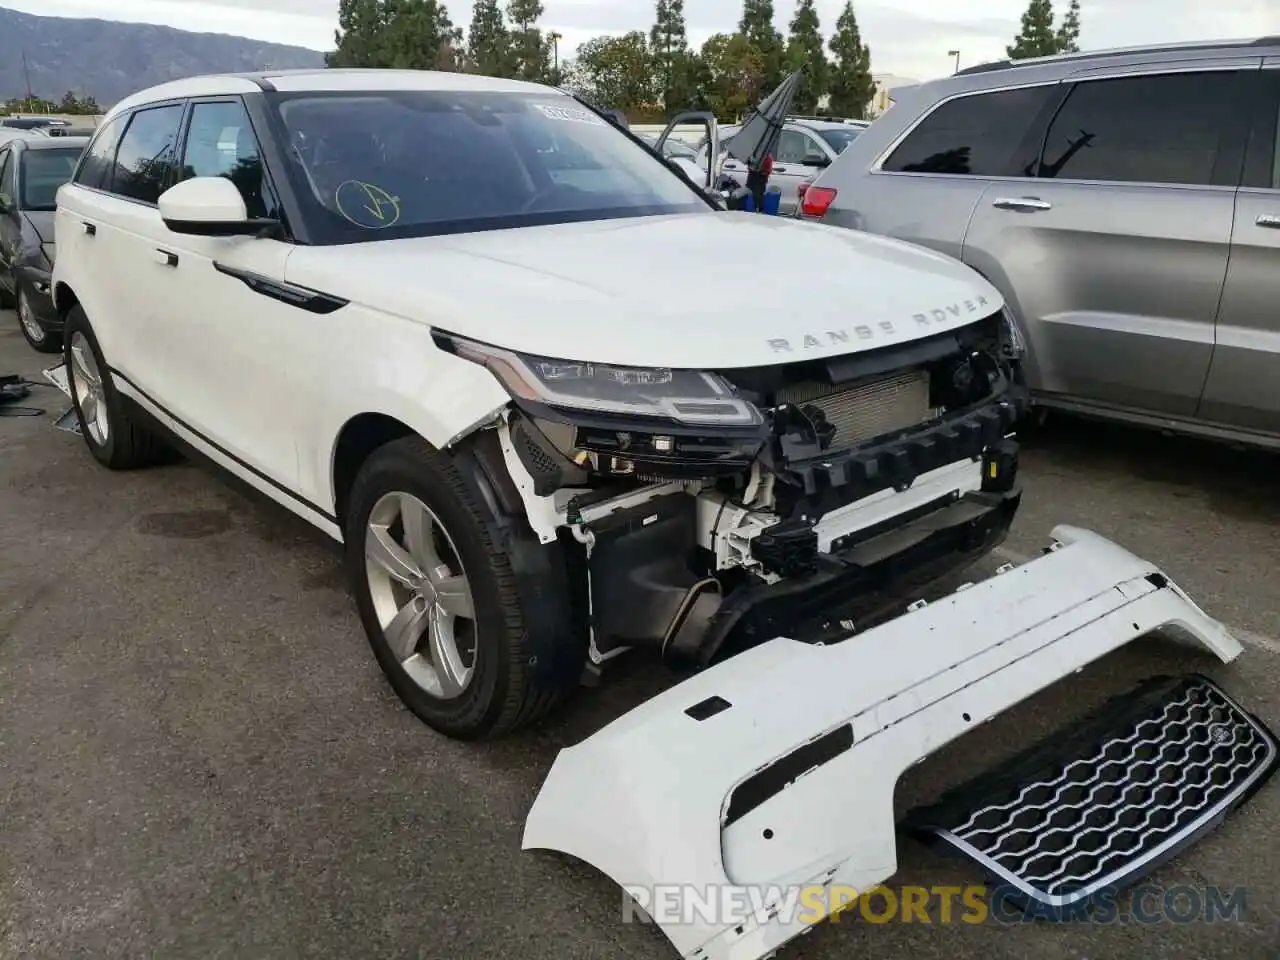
643 799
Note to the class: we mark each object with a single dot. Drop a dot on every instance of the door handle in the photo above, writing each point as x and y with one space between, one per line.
89 228
1026 204
779 169
1268 220
166 258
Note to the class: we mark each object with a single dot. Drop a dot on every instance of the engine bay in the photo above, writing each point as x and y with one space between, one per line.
694 540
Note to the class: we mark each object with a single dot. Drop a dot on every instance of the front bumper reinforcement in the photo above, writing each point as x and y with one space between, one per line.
776 768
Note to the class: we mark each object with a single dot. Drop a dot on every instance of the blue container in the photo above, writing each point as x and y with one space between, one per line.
772 201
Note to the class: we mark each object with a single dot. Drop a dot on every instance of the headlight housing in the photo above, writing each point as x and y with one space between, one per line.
690 398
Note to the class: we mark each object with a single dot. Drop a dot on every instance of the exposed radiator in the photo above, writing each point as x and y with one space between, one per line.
867 409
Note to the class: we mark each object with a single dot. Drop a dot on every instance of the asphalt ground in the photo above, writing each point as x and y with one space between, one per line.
199 757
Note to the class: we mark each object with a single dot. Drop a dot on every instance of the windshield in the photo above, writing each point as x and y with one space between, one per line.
42 173
392 164
839 139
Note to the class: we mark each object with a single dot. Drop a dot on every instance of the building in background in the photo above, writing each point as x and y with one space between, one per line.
886 82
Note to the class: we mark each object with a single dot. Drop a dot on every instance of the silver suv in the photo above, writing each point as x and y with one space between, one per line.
1126 203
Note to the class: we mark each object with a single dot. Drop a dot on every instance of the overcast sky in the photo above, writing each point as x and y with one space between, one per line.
908 38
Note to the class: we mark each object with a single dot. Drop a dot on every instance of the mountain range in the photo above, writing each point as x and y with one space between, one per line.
108 60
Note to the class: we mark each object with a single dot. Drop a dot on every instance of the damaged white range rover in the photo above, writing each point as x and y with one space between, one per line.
557 404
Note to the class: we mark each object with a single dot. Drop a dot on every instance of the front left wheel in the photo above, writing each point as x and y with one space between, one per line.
437 594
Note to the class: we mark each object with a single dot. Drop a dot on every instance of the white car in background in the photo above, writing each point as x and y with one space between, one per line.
805 148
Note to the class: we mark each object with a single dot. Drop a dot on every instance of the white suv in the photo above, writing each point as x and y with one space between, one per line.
463 325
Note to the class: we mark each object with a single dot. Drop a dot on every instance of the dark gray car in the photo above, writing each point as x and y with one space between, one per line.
31 171
1127 204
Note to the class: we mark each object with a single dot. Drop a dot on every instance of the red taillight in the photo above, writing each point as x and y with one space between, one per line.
815 201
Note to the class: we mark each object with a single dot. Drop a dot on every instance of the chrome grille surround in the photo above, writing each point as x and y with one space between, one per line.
1145 785
868 409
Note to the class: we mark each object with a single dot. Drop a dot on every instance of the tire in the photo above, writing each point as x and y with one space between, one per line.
123 444
6 299
499 694
46 342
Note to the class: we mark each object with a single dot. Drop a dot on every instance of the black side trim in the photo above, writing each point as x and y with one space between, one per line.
313 301
223 450
770 781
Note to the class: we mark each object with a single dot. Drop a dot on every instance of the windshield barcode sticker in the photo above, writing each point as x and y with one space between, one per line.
570 114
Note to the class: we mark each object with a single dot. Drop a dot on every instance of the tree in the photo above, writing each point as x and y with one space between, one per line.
78 106
851 84
757 27
530 51
488 41
1068 36
361 25
1036 37
400 34
734 75
615 72
669 48
804 52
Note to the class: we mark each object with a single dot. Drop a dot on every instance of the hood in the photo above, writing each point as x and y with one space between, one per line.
694 290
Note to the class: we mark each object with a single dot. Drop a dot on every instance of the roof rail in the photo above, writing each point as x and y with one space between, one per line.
1118 52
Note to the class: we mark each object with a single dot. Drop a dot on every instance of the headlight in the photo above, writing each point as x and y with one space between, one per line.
688 397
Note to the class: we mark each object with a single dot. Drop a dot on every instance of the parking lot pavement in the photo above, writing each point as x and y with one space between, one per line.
199 758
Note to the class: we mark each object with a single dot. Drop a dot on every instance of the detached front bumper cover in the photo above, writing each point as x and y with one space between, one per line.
777 768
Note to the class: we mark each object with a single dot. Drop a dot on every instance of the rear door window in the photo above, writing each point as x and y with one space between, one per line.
145 160
793 146
1154 129
100 156
1262 161
982 134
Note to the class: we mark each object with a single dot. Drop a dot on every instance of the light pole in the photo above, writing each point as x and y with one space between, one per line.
555 53
956 54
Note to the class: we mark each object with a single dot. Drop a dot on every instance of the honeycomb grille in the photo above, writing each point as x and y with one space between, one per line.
868 409
1131 797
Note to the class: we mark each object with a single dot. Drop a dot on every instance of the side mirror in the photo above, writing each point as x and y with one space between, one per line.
816 160
209 207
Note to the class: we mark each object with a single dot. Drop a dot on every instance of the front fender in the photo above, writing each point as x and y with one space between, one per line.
370 362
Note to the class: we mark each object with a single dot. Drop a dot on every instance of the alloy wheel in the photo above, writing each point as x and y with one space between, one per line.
86 381
27 317
421 595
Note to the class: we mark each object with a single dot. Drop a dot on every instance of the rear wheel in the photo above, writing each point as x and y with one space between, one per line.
111 435
437 595
40 339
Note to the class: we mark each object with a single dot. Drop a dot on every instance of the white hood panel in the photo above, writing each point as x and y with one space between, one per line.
696 291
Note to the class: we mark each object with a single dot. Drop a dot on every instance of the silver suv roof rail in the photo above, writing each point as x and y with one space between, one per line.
1268 41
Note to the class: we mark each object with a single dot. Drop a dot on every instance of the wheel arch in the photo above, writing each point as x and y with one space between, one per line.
364 433
64 299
